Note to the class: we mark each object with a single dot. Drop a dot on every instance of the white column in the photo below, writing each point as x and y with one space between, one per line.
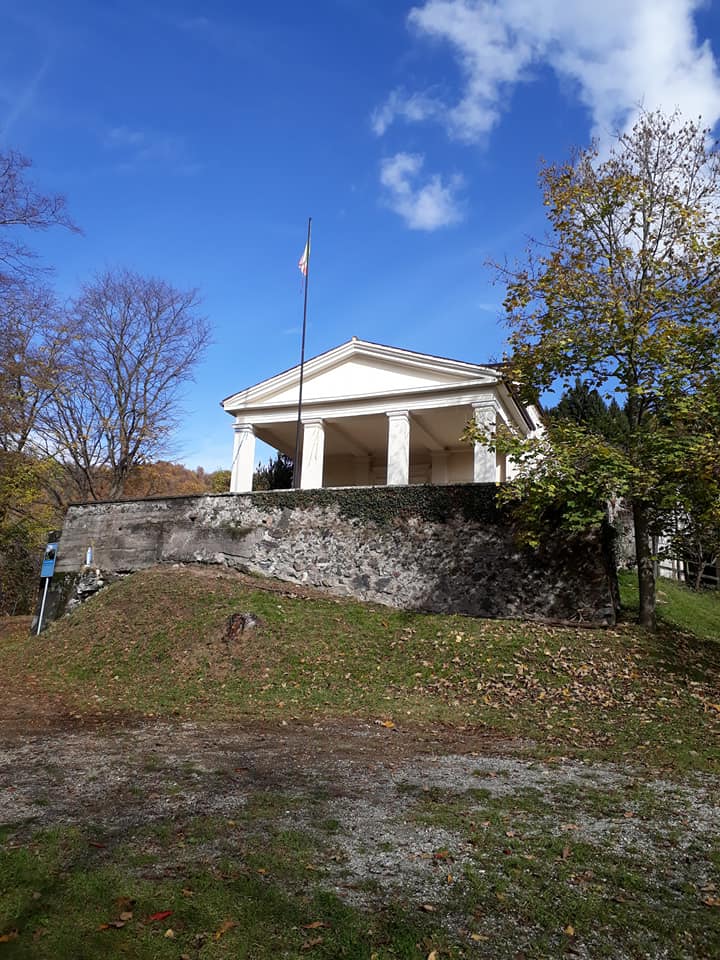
243 464
313 454
484 461
398 451
439 469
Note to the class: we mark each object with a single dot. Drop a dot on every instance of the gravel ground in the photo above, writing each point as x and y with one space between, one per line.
366 778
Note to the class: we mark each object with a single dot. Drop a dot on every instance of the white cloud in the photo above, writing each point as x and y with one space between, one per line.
24 100
139 148
424 205
412 107
618 56
125 137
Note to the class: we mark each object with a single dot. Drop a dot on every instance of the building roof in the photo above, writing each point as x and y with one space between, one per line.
440 370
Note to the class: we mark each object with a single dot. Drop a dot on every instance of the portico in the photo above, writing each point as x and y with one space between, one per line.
375 415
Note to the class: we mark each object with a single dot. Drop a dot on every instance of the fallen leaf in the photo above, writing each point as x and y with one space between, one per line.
569 931
160 915
126 915
712 901
170 934
433 955
10 935
385 723
428 908
112 924
223 928
479 937
628 814
315 925
124 903
566 853
96 843
309 944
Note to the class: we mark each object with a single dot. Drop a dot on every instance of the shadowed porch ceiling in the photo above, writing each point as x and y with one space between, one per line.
430 430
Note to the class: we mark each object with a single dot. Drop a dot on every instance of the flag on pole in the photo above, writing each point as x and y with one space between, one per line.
303 261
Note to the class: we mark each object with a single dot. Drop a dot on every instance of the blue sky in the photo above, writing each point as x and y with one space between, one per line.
192 141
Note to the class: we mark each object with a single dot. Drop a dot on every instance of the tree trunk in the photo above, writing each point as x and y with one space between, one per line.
646 573
700 572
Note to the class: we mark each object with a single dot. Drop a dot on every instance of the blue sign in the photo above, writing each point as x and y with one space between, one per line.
48 564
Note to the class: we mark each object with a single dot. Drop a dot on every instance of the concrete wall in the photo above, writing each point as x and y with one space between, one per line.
445 549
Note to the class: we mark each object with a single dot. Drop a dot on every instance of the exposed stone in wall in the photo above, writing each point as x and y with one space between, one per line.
445 549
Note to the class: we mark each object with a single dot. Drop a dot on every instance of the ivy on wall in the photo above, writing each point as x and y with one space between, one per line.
383 505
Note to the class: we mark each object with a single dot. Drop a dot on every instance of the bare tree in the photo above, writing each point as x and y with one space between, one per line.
33 344
136 343
23 206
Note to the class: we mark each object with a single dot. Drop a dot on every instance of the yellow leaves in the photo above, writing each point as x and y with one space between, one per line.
223 929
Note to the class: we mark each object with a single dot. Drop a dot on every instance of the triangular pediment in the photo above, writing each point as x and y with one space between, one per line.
357 369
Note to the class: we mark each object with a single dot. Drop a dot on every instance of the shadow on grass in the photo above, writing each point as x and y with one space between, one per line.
687 642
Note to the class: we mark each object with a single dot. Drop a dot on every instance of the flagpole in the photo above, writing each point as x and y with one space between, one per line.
297 468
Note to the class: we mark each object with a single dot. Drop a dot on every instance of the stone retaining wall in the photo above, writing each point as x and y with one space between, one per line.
447 549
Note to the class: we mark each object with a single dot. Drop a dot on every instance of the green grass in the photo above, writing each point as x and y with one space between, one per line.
611 900
56 898
153 645
247 886
697 612
256 883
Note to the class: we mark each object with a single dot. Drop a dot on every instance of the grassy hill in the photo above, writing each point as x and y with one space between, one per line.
155 644
410 840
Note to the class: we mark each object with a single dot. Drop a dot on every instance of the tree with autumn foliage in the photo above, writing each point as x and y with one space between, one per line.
623 296
32 339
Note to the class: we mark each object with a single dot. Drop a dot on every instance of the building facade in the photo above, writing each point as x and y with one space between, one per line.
376 415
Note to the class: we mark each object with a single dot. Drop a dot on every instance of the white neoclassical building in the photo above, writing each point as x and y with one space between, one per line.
373 414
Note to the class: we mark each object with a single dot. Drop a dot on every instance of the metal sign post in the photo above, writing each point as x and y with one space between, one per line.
46 573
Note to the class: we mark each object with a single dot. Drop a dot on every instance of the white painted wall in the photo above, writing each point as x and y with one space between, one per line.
340 471
356 378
